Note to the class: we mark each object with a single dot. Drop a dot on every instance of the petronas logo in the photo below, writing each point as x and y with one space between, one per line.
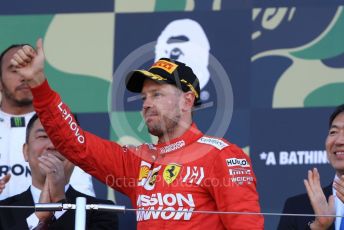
17 121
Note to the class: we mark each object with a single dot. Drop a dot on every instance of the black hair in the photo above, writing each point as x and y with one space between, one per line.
339 109
29 127
5 51
32 121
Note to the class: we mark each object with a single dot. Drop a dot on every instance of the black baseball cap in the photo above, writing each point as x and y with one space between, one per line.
168 71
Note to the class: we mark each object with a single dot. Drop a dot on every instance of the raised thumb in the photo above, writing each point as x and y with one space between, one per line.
39 46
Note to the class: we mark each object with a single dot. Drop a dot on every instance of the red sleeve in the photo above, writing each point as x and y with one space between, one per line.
235 189
112 164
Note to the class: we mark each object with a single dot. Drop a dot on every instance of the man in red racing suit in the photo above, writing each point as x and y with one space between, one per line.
173 183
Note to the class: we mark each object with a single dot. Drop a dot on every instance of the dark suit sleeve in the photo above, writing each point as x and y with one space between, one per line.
293 222
287 222
103 220
12 218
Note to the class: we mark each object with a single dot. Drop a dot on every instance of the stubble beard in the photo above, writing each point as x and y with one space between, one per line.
165 126
16 102
24 102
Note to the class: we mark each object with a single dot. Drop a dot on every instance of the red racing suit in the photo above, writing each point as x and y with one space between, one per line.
166 181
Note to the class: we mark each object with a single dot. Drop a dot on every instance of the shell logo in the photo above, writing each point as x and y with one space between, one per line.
144 170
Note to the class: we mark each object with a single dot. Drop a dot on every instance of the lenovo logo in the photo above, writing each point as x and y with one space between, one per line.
72 124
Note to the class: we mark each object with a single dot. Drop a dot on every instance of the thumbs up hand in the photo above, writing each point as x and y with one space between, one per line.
29 63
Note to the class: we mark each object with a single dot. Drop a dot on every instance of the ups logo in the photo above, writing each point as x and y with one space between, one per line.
165 65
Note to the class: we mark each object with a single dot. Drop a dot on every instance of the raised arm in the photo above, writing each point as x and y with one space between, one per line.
107 161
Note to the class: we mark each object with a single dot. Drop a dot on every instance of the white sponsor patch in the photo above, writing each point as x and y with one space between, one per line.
231 162
172 147
194 174
165 206
239 171
242 179
217 143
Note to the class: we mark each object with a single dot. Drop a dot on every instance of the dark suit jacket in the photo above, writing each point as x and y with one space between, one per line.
300 204
15 219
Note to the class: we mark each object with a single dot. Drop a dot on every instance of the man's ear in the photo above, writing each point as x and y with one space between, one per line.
189 99
26 152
